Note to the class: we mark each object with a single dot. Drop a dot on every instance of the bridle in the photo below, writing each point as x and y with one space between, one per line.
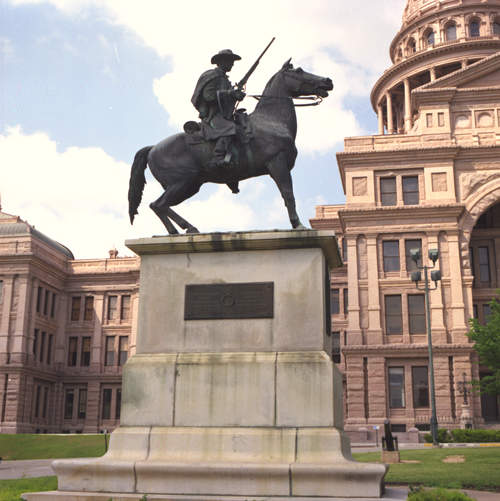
317 99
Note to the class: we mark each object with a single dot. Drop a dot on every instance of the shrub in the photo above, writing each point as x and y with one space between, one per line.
419 494
468 436
443 436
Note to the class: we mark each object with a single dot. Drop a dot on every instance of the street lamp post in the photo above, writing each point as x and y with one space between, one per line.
416 277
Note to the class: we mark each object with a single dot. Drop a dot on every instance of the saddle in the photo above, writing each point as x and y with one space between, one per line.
196 134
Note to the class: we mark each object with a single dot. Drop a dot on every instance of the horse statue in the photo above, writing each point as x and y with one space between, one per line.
180 167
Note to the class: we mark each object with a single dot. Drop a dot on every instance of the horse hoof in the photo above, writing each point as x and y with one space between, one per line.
192 229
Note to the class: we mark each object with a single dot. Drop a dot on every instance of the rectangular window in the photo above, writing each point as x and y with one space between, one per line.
106 403
75 308
344 249
416 313
112 303
68 404
428 118
49 349
441 119
475 311
118 406
45 401
409 246
334 301
39 299
125 309
346 301
486 312
390 249
110 351
88 313
35 343
123 350
396 387
37 400
85 355
388 191
42 345
410 190
82 403
484 265
46 302
72 351
336 347
420 382
393 315
53 305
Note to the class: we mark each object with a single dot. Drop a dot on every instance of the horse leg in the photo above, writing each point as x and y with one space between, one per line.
160 208
185 225
174 195
279 171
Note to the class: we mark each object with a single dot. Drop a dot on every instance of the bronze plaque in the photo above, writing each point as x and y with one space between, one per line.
218 301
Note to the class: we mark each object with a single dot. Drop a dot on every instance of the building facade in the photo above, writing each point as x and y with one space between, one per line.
430 179
66 329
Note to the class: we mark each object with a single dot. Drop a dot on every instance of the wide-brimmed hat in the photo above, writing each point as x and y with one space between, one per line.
224 54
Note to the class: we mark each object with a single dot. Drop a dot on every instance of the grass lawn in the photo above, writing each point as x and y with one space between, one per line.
480 470
11 490
50 446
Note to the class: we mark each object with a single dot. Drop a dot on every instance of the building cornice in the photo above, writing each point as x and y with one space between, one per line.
405 212
404 67
407 350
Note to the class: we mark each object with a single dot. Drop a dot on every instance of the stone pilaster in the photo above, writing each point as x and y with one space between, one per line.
353 323
436 298
97 340
377 394
374 327
8 290
459 327
19 344
356 411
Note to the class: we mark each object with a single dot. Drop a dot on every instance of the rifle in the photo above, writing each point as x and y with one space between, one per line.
241 84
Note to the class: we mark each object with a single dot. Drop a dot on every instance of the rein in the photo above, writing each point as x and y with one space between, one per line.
317 99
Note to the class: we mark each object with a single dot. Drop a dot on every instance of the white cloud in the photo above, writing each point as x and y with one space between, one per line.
6 49
79 197
347 41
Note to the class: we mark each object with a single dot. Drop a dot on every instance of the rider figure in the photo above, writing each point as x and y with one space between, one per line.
215 99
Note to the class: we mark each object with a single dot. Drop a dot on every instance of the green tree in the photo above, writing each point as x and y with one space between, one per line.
487 344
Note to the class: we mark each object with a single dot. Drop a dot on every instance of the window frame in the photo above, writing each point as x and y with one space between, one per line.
401 387
388 315
408 193
414 317
391 262
415 389
386 196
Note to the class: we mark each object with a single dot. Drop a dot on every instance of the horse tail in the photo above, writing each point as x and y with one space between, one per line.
137 181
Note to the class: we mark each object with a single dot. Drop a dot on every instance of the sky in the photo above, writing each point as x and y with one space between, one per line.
84 84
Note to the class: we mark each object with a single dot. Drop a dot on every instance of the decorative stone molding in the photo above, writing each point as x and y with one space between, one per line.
471 181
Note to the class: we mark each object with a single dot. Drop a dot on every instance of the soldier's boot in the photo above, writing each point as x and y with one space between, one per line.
222 153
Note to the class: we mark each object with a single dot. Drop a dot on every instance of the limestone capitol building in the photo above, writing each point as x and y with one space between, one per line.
429 179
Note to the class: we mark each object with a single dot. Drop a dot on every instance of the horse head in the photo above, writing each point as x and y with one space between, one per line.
302 83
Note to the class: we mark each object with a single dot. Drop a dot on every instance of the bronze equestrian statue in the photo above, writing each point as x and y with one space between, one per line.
265 145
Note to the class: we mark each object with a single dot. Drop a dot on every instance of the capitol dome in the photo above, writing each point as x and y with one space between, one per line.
437 37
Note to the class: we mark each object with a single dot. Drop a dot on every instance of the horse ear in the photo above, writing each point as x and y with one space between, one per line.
287 64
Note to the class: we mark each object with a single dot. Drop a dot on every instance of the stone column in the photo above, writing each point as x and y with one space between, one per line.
356 412
433 74
442 387
374 327
390 117
8 289
60 335
31 328
95 359
436 297
459 327
408 120
19 340
377 393
353 322
380 115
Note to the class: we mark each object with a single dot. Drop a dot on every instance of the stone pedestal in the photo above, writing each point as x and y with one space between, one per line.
225 405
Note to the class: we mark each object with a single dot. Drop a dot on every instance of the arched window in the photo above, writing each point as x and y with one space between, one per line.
451 32
474 28
412 47
429 38
496 27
